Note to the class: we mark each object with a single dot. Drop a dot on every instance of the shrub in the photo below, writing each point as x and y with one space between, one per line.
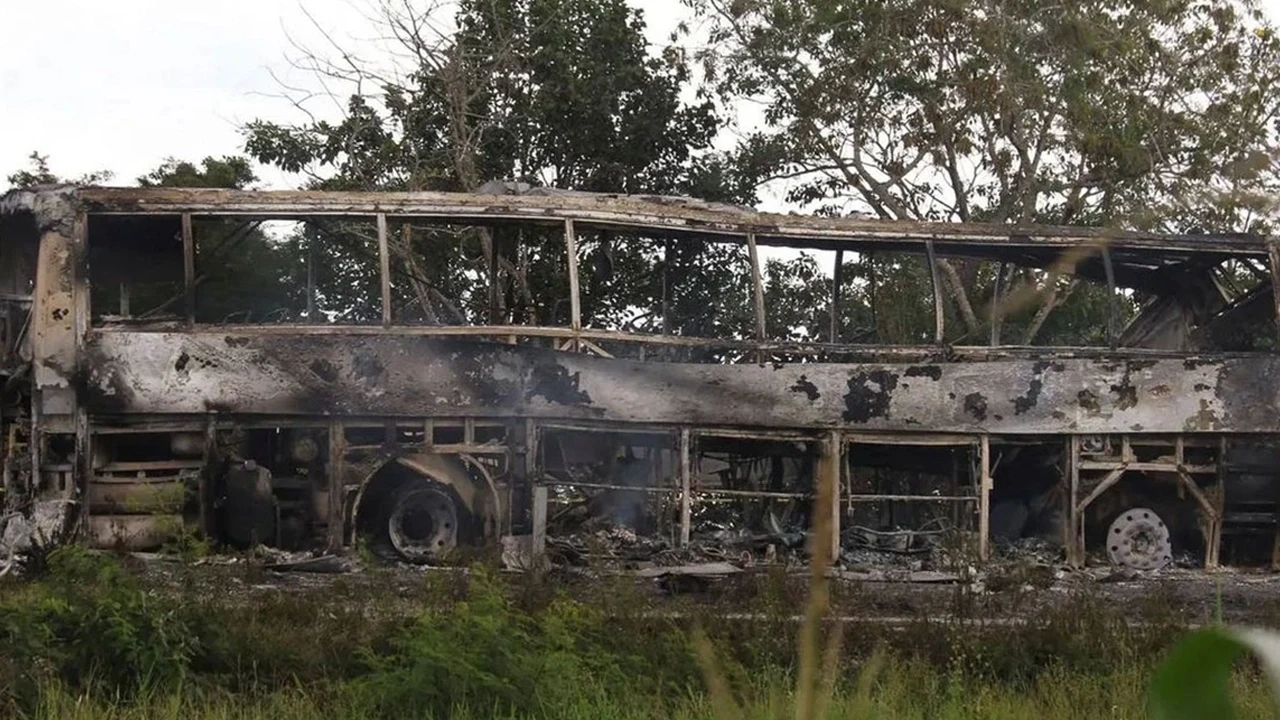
87 625
484 652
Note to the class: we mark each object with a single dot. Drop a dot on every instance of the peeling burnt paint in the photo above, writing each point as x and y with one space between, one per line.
324 370
1089 402
366 365
101 390
283 374
552 381
1125 395
803 385
933 372
1205 419
476 370
864 402
975 404
53 208
1023 403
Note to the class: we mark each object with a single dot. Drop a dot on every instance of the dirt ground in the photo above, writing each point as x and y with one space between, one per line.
1002 594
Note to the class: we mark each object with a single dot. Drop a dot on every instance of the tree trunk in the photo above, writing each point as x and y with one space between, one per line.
959 295
1053 300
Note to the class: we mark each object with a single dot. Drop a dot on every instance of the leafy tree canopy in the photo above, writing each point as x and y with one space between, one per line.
1156 114
559 93
229 172
38 173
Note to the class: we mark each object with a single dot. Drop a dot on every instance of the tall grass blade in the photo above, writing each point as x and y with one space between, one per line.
830 670
820 550
722 702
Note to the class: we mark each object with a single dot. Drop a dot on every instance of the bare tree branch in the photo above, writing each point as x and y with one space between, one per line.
1054 298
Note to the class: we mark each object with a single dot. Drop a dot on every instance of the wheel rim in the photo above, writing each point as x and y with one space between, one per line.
1139 539
423 524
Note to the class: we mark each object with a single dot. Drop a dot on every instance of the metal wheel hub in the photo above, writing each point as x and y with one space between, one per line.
423 524
1139 539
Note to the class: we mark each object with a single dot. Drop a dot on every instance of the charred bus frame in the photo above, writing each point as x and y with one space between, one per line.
427 434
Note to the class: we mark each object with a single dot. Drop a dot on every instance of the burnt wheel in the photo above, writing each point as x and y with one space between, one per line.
420 509
422 522
1139 539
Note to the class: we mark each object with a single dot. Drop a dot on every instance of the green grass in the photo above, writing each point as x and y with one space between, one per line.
900 692
87 640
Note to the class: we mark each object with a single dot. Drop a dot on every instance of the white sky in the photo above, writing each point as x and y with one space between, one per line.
120 85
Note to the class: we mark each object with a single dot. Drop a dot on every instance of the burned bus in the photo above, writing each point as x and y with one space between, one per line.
134 414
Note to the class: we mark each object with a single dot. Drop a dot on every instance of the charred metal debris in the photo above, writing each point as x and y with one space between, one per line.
139 409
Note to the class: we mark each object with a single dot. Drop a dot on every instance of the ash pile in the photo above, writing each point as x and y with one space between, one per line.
616 501
628 538
625 512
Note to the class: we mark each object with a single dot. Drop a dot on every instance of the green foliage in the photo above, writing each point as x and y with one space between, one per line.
1139 114
40 174
228 172
86 640
555 92
484 653
897 690
558 93
90 627
1193 682
188 544
1094 113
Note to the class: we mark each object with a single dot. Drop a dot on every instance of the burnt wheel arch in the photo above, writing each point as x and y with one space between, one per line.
416 498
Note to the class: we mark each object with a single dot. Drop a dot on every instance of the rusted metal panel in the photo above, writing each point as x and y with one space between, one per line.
415 376
225 372
1015 397
657 213
849 352
54 327
59 313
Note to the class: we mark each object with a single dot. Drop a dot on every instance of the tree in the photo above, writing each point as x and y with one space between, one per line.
557 93
40 174
1153 114
243 273
228 173
560 93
